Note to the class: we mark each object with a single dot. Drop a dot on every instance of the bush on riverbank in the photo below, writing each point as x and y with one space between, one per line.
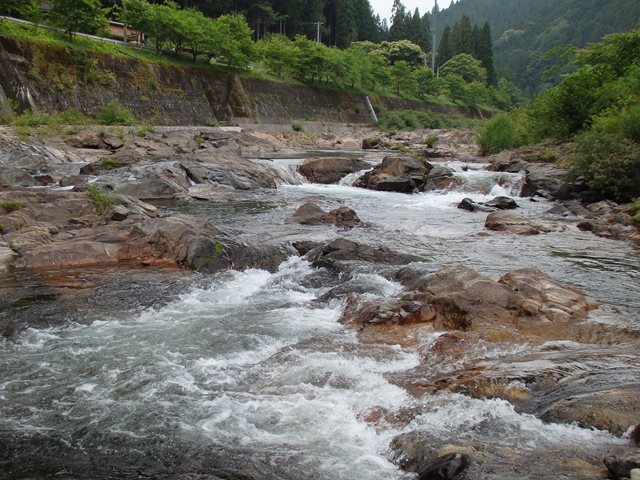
501 132
607 156
415 119
598 107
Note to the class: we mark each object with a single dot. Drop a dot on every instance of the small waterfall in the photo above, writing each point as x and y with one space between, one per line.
476 179
286 169
350 179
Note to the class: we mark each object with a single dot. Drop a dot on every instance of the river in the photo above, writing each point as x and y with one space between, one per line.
250 375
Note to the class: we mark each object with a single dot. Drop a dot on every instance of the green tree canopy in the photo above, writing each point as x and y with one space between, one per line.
20 8
466 66
235 47
86 16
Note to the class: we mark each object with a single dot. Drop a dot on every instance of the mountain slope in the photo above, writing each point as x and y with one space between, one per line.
524 30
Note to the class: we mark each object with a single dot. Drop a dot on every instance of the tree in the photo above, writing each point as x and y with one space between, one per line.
484 53
427 83
445 48
401 50
463 36
399 22
79 16
465 66
159 24
279 53
311 60
134 13
235 47
403 79
201 34
20 8
341 18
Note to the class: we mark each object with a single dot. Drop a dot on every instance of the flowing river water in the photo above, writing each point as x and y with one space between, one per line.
250 375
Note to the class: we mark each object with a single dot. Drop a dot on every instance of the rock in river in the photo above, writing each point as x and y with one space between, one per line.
311 214
330 170
396 174
511 222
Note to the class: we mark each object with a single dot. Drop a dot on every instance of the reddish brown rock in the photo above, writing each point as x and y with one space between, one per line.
330 170
511 222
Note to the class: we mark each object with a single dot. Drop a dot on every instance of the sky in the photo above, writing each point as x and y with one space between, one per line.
383 7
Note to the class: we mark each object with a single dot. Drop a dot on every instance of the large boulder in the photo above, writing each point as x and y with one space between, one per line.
148 181
614 409
502 203
511 222
620 466
543 175
343 249
330 170
11 177
311 214
440 178
459 298
368 313
228 170
542 296
396 174
182 240
344 217
90 138
415 452
471 206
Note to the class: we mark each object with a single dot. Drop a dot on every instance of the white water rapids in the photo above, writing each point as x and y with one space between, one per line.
252 365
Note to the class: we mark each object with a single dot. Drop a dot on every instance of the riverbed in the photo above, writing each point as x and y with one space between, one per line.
250 375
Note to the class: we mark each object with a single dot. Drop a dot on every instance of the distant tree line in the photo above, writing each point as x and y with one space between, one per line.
472 40
531 37
399 66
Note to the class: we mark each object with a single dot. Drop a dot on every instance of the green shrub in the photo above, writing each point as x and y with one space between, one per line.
114 113
72 117
145 128
10 206
373 141
213 122
430 140
109 163
31 119
102 200
608 163
634 211
413 119
297 127
499 133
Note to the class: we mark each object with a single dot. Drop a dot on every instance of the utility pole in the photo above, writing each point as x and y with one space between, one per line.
317 24
433 43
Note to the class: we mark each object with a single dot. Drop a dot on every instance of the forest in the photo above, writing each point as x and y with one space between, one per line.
597 108
395 66
529 44
534 40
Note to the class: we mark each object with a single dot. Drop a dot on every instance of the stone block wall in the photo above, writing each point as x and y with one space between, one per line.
49 78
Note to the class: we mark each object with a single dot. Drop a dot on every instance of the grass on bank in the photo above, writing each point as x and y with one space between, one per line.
102 200
11 206
419 119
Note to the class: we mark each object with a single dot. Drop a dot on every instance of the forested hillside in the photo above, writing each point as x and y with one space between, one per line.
524 31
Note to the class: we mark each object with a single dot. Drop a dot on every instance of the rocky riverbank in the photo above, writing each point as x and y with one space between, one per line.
103 219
